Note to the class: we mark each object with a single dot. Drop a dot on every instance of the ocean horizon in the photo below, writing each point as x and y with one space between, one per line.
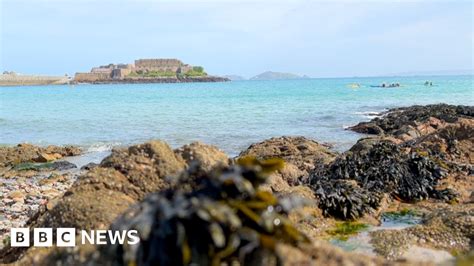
230 115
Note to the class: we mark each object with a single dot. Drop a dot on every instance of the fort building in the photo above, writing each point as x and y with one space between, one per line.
141 68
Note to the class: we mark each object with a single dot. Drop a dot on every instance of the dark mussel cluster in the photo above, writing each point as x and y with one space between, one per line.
381 168
219 217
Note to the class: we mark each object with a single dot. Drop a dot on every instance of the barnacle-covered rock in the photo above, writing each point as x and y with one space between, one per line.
206 156
226 218
300 154
146 165
448 227
121 179
453 143
93 202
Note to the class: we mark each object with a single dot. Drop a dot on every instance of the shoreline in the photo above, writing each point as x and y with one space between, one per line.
157 80
36 80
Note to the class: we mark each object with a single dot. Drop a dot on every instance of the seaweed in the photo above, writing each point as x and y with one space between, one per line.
355 182
345 200
343 230
210 218
32 166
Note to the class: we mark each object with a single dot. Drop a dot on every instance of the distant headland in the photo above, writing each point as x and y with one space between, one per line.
141 71
270 75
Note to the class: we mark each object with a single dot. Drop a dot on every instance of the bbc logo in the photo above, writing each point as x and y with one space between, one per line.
66 237
43 237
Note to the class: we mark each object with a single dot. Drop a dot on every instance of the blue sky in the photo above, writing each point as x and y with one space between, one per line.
316 38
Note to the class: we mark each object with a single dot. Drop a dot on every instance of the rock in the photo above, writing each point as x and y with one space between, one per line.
52 179
93 202
411 122
146 165
206 156
34 168
448 227
25 153
89 166
454 142
16 194
225 211
62 165
353 184
44 157
65 151
344 199
322 253
301 156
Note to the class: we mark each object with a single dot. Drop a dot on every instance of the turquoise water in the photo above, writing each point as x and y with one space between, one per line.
231 115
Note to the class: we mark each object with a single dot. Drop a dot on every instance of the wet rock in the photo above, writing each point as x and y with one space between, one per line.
62 165
322 253
32 169
449 228
206 156
89 166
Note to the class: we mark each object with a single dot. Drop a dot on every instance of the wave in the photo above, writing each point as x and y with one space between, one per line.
369 114
102 146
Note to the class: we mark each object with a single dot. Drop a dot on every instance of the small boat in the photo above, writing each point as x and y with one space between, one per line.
353 85
385 85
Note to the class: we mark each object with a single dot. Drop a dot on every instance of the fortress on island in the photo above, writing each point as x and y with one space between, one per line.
147 71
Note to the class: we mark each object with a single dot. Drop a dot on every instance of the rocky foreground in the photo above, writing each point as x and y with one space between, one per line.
278 202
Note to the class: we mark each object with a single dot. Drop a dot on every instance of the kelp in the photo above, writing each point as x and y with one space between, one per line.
209 219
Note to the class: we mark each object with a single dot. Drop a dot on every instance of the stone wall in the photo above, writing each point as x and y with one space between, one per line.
18 80
91 77
120 73
158 64
101 70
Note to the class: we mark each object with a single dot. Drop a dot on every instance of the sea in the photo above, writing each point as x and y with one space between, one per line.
230 115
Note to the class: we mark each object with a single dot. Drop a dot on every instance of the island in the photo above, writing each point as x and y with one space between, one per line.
147 71
271 75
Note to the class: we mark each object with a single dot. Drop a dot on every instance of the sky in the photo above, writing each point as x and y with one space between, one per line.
318 38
